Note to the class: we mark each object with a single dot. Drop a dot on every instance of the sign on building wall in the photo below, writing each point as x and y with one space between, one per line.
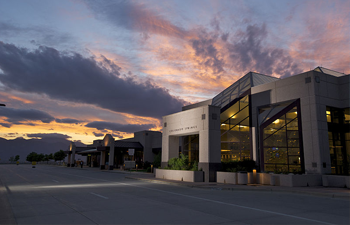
131 151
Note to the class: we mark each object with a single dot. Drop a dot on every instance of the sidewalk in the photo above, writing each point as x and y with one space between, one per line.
331 192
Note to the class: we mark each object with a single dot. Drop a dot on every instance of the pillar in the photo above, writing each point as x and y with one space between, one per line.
111 154
170 149
209 153
103 160
72 150
69 159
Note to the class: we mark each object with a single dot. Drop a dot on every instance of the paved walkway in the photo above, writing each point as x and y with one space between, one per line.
332 192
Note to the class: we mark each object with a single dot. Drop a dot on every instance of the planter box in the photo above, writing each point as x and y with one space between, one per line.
264 178
226 177
336 181
242 178
180 175
275 180
251 179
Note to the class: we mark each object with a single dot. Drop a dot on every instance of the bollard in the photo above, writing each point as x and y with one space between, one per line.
254 176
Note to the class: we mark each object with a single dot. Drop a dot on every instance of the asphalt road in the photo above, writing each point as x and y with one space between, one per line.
59 195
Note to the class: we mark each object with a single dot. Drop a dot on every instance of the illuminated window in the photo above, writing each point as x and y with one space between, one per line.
339 140
280 142
235 131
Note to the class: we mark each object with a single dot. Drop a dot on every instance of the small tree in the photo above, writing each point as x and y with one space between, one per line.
51 156
59 156
12 159
46 158
41 157
16 157
33 156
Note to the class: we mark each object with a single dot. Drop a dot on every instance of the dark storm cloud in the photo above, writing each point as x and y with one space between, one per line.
49 136
17 116
67 120
251 53
7 125
209 55
134 16
98 134
128 128
71 77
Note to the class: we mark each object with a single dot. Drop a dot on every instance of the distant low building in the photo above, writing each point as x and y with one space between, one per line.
140 149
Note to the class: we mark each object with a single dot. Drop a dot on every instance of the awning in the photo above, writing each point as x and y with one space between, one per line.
127 144
88 151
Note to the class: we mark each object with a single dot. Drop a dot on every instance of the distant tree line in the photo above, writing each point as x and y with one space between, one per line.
14 158
35 157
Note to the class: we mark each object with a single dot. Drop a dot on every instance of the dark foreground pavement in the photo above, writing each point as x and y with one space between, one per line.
60 195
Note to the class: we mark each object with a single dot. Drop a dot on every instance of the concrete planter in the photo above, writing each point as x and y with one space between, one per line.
180 175
226 177
242 178
336 181
274 179
291 180
264 178
251 179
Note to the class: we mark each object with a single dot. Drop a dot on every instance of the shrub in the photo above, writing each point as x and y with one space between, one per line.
195 166
179 163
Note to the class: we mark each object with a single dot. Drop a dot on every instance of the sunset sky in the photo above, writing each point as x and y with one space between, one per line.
80 69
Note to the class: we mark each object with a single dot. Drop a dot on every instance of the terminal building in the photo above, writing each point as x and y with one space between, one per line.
295 124
109 153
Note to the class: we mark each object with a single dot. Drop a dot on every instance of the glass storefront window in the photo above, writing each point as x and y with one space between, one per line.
191 147
281 143
338 137
235 131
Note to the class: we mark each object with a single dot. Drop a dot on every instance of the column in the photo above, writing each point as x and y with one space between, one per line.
103 160
69 159
111 154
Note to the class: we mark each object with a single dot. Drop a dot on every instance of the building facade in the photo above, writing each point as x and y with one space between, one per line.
109 153
295 124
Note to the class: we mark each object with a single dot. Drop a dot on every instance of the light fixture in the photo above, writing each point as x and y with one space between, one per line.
276 121
328 112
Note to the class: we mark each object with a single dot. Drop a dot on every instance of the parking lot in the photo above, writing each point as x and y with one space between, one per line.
61 195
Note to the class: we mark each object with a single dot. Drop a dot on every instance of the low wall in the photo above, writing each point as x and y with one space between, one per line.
336 181
291 180
180 175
